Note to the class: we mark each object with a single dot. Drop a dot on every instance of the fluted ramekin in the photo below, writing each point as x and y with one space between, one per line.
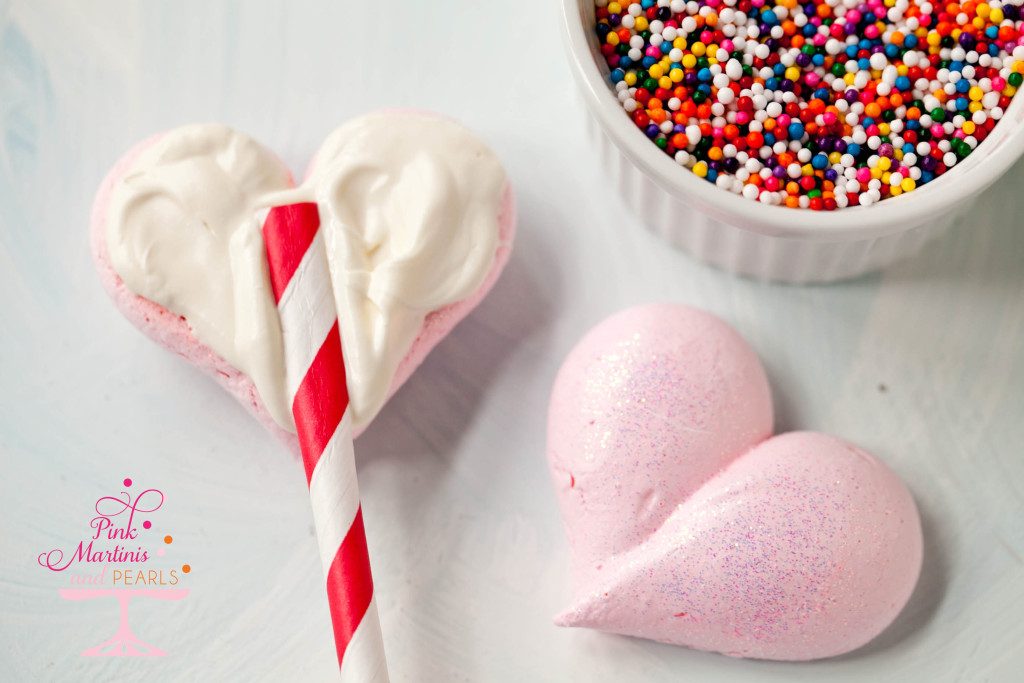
757 240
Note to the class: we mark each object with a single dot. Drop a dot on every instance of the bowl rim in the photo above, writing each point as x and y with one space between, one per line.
895 214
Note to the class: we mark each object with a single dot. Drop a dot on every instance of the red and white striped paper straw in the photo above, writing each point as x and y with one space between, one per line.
315 373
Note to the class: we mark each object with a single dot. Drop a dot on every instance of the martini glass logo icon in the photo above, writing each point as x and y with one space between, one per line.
124 643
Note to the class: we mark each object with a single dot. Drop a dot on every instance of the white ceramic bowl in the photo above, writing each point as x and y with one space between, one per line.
770 242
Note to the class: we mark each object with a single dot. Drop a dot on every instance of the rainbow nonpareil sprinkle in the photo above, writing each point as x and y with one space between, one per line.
818 104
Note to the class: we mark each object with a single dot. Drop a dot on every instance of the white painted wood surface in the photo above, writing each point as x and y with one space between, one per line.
469 554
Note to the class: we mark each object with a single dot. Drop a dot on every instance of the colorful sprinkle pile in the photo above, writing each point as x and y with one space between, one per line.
817 104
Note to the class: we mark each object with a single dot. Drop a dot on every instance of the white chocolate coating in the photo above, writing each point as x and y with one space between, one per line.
409 207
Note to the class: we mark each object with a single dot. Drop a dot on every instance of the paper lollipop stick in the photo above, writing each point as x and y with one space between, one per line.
315 375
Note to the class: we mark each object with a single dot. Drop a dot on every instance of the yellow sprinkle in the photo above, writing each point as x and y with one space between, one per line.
908 184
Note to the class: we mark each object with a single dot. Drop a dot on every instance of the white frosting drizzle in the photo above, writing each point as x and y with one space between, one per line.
409 210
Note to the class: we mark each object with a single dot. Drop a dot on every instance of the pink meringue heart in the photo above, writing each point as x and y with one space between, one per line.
688 523
243 166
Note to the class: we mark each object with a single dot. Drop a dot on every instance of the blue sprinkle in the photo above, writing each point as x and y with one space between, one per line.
618 74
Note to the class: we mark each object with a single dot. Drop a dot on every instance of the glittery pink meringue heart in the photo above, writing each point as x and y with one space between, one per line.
688 523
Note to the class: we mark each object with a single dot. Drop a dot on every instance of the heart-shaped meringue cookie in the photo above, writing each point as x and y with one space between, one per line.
688 523
417 219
